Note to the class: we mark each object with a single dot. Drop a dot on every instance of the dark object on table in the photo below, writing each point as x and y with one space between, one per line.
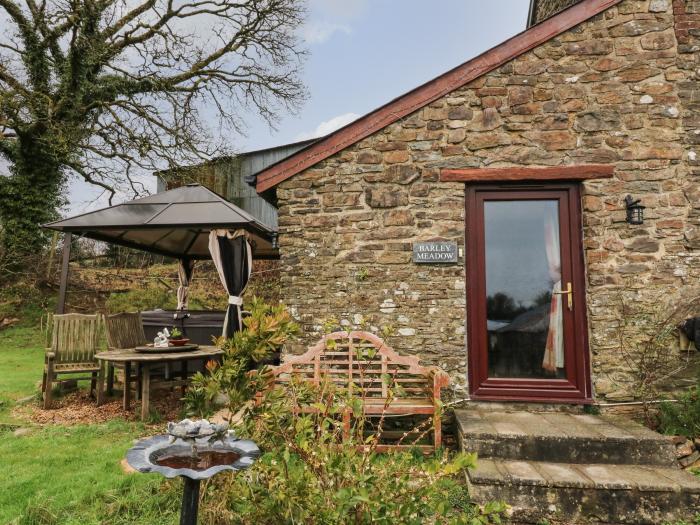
179 342
198 325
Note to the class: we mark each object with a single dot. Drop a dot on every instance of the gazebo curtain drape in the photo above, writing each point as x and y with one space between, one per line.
184 272
233 257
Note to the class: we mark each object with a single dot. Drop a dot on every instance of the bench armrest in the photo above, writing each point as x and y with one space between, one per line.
440 381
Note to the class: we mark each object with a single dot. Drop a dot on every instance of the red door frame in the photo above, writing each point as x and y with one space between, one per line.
576 388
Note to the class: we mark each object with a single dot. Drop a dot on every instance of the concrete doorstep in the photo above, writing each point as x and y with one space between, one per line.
576 468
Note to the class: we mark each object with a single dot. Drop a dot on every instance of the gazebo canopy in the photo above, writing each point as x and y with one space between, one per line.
174 223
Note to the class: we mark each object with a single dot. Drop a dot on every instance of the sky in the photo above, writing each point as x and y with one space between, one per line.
364 53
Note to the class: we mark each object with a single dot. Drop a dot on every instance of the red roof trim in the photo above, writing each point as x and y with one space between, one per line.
430 91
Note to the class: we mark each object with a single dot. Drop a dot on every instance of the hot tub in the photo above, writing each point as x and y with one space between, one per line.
198 325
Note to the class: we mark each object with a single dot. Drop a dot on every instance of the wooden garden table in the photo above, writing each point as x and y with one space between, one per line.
143 363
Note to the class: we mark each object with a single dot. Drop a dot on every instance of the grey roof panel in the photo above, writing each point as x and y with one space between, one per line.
174 223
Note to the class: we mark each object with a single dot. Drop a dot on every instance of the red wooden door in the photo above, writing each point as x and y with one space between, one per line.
526 315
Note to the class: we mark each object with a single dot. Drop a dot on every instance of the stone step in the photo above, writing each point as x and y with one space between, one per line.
595 493
561 438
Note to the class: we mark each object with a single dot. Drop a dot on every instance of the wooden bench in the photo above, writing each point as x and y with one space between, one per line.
342 358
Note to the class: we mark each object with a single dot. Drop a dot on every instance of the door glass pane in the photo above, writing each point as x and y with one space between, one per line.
523 270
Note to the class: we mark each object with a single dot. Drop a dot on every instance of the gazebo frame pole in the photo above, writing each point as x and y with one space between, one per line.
65 267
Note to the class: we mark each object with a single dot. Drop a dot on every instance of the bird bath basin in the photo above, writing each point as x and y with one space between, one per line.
195 450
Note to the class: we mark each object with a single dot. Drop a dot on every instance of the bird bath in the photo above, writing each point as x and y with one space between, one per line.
195 450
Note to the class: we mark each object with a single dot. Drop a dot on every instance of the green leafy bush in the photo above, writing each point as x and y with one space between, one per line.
318 467
682 417
266 330
313 472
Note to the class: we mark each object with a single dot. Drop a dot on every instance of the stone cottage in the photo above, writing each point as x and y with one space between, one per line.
510 172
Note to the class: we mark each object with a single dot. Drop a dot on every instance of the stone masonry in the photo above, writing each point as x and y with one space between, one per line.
621 89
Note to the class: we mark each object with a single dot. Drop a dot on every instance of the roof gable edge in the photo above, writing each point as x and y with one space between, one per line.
430 91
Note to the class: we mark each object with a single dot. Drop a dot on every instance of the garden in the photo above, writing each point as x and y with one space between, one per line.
67 462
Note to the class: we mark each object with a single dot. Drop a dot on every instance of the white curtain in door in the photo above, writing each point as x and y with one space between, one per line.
554 347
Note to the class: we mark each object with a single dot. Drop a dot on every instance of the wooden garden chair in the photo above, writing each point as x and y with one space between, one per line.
124 332
75 339
343 359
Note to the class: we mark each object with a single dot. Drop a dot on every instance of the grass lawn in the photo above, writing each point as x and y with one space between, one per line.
71 475
21 365
67 474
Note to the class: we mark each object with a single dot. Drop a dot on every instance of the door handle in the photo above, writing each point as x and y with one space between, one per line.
569 292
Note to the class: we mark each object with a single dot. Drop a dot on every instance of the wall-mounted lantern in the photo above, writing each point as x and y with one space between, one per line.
635 211
275 241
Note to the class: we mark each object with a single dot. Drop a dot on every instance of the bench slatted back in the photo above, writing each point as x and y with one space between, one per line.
360 362
125 330
75 337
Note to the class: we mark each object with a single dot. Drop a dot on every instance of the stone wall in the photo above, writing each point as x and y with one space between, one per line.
613 90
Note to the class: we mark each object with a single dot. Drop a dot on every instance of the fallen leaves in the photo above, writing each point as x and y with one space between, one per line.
79 408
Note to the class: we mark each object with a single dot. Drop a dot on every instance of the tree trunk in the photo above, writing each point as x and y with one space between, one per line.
29 197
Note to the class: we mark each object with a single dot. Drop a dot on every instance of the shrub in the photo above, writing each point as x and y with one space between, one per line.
647 336
682 417
309 475
315 470
266 330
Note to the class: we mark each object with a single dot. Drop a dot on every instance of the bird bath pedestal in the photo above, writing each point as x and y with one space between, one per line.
195 450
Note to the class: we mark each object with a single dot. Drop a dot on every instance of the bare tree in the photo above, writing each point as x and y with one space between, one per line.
104 89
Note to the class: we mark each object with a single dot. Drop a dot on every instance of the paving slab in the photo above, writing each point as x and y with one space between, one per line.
476 422
487 472
647 479
687 481
505 423
603 427
523 472
605 476
636 429
561 437
531 423
568 426
563 475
